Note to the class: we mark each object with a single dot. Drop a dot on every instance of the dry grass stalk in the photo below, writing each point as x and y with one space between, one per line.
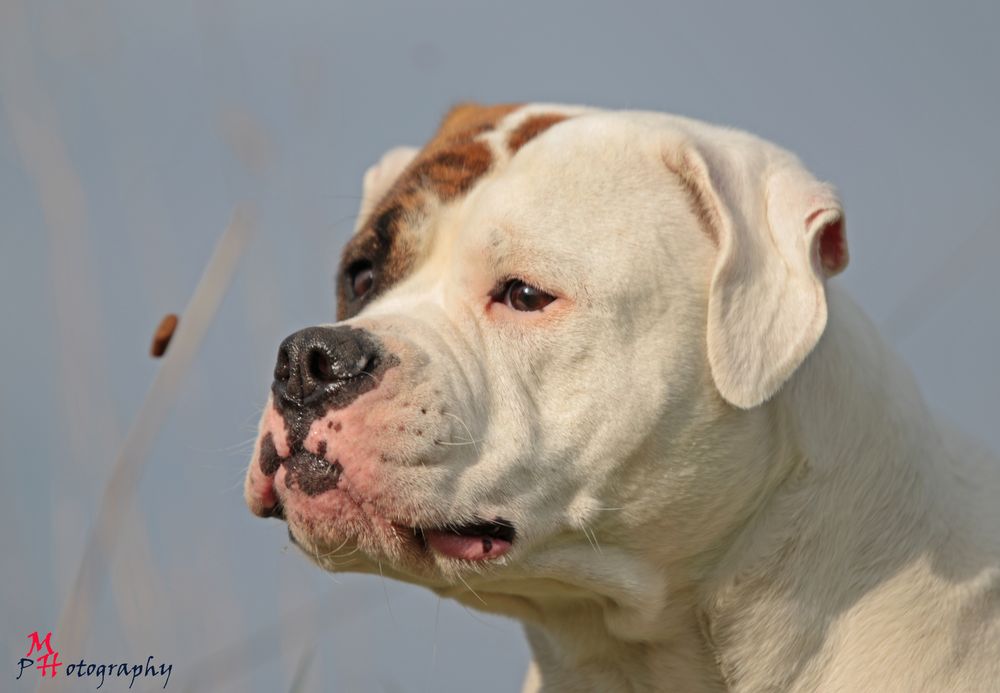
75 618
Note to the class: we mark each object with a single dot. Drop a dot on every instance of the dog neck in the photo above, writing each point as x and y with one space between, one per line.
602 636
852 523
575 650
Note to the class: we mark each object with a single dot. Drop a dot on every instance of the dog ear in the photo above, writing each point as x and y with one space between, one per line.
780 234
380 177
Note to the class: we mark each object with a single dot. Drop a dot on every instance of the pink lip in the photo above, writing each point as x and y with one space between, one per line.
260 494
466 548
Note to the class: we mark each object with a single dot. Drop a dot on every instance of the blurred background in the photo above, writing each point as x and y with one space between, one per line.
129 133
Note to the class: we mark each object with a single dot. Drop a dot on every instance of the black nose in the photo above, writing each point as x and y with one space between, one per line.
319 364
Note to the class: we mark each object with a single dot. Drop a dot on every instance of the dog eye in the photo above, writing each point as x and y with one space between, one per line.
525 297
360 277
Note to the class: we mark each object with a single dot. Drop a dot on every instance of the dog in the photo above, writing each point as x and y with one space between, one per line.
589 372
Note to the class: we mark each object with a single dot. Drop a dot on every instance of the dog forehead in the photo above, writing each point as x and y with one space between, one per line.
568 151
475 143
598 173
592 150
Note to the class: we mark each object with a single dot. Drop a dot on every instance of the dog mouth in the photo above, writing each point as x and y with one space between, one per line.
306 476
475 541
479 540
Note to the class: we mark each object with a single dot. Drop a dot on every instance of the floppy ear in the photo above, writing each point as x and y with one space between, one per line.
780 234
380 177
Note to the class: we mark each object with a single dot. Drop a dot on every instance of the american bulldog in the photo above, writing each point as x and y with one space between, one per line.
589 372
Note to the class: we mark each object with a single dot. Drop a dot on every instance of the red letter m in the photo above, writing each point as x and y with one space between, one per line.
36 644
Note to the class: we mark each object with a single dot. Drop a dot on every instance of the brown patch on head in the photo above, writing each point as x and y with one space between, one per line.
446 168
452 161
466 120
532 128
453 170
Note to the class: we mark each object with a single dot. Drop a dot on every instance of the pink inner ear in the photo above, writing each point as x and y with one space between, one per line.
832 243
833 246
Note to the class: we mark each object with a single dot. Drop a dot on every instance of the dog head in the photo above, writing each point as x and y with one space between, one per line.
558 332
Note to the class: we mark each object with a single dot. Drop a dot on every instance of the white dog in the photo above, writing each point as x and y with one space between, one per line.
589 373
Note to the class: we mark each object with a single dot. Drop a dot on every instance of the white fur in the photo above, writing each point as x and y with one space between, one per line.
380 177
721 477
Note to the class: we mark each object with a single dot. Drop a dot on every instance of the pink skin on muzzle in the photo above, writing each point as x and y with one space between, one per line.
357 438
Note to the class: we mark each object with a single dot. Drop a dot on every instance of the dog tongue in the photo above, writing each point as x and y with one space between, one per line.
468 548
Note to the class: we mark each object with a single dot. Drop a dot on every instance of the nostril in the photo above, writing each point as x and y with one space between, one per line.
320 367
282 368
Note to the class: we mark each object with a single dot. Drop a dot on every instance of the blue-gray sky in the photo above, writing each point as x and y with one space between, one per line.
129 132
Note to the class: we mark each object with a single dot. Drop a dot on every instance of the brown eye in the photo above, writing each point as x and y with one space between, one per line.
525 297
361 276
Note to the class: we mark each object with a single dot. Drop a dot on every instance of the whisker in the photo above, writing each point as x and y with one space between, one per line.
370 375
385 591
331 553
341 220
238 485
592 539
469 587
477 617
249 442
349 553
471 437
336 564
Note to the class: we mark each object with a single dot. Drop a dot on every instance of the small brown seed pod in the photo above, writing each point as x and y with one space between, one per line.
164 332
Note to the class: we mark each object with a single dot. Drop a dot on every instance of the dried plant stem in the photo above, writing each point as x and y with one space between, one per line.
219 667
75 618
